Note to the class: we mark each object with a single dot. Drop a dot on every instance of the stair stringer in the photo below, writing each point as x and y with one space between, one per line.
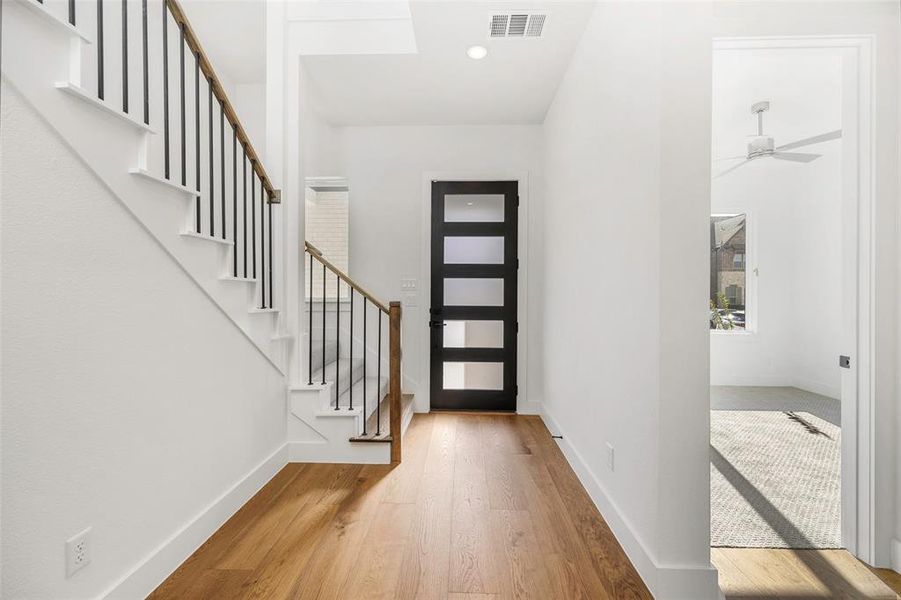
317 433
118 157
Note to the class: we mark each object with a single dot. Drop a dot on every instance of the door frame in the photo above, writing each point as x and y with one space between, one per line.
858 475
423 397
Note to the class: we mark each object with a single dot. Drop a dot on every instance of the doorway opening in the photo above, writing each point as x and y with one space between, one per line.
784 290
473 312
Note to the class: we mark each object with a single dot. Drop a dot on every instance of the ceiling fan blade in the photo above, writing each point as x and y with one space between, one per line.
823 137
732 168
802 157
731 157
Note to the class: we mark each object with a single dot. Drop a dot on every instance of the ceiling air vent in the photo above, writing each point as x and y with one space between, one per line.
517 25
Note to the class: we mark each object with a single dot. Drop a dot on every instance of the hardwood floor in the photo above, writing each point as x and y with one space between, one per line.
482 507
747 573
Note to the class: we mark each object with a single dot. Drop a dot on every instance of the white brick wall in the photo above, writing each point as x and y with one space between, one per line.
327 229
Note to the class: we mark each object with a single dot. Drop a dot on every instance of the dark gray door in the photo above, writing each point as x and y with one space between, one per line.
473 304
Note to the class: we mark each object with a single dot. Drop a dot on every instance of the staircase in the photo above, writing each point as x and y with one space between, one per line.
128 87
352 399
126 98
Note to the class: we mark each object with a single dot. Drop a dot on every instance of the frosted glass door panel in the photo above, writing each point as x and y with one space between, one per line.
475 250
473 334
473 376
473 292
474 208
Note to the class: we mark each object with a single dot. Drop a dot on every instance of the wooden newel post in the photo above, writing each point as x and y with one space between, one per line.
394 376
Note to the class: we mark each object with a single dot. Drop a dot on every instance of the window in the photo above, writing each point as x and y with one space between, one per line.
728 275
326 223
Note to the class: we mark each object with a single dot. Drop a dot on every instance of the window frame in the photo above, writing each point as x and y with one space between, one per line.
751 272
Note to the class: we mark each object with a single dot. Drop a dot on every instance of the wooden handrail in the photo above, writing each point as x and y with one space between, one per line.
206 66
317 254
394 358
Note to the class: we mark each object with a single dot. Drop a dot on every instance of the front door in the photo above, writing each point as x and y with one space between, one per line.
473 305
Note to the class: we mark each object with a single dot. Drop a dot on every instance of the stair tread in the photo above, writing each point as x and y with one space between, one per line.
405 401
331 347
343 372
344 398
79 92
372 438
206 238
162 180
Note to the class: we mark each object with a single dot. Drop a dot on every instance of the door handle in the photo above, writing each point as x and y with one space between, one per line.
437 324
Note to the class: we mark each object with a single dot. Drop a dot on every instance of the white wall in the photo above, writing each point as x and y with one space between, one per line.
385 167
795 217
130 401
627 168
249 100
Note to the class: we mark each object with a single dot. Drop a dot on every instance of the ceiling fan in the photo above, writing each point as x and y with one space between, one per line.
762 146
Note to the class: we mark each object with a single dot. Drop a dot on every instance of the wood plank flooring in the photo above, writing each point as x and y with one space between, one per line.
746 573
483 507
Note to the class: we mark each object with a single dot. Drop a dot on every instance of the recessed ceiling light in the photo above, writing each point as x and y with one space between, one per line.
477 52
469 204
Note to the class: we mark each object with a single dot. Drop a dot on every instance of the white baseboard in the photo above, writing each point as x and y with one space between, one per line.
360 453
528 408
665 582
733 380
896 555
818 387
154 569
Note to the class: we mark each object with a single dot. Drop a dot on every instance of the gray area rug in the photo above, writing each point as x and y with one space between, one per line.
775 480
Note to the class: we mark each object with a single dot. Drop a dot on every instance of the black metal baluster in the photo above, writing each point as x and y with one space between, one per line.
337 339
100 49
222 164
310 330
269 210
125 56
71 11
166 90
365 372
350 349
234 201
197 140
253 218
323 323
145 57
212 162
244 218
181 71
262 246
378 382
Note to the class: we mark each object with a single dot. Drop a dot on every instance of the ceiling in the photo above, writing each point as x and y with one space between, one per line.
436 83
233 34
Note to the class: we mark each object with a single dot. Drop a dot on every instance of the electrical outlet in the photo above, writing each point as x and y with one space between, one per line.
78 552
610 463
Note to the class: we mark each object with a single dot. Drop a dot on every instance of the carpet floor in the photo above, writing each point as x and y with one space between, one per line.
775 480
